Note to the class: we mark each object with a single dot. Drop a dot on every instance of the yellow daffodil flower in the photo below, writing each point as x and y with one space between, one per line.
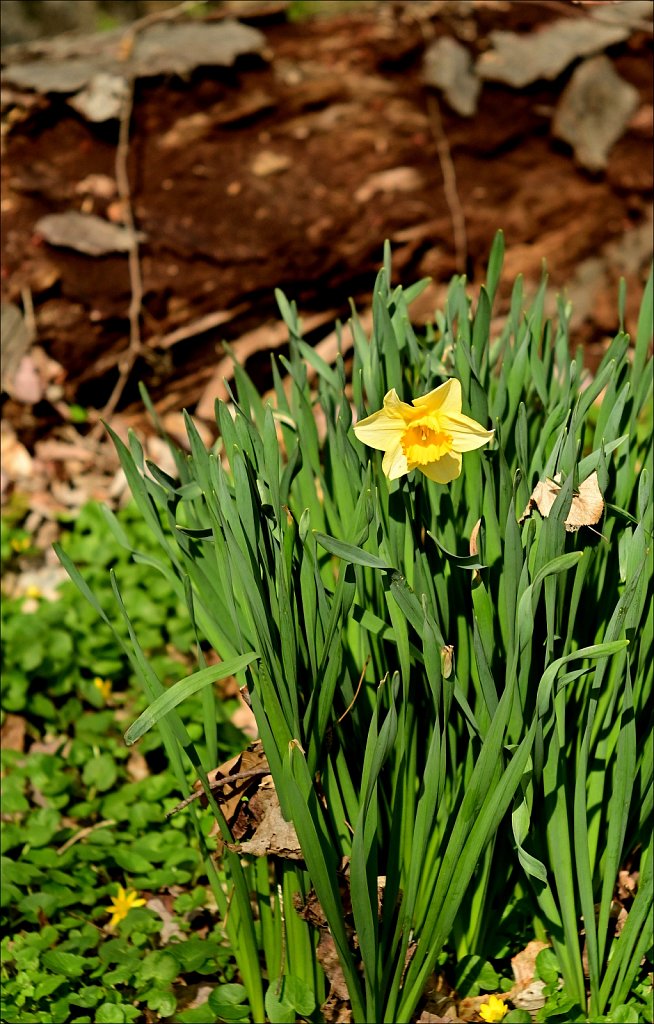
122 903
494 1010
104 686
429 435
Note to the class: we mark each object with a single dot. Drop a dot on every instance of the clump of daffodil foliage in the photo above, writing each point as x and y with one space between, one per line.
429 564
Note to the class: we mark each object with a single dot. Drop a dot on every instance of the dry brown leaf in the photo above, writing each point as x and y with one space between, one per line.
15 340
273 835
328 959
587 503
12 733
523 963
16 460
27 386
527 993
137 767
627 884
169 928
231 780
243 719
395 179
86 233
268 162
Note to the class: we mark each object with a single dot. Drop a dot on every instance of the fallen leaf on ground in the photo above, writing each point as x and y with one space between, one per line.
15 340
273 835
267 162
396 179
170 928
26 385
523 963
230 781
12 733
85 233
328 959
137 767
16 460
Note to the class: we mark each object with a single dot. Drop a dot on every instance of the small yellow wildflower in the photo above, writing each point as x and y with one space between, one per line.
20 543
494 1010
429 435
122 903
33 591
104 686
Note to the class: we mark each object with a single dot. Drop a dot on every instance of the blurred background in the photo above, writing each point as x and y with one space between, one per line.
255 144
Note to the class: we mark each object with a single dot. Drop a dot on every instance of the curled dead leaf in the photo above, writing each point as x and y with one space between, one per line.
231 781
328 959
587 503
12 733
273 835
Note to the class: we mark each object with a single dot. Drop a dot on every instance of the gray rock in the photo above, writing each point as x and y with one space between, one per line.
448 66
69 65
519 59
593 111
86 233
102 99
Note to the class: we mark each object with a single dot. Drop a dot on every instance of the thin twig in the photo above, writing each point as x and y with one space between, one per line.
220 783
135 346
449 183
136 283
156 16
83 833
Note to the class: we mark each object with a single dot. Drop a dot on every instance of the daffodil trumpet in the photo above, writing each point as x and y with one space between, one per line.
430 435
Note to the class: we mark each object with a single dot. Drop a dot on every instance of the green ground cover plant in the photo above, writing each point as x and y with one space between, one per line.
452 693
79 819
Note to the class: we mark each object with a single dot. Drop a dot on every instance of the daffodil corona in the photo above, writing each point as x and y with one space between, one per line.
430 434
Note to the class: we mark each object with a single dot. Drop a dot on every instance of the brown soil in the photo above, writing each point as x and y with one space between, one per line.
337 101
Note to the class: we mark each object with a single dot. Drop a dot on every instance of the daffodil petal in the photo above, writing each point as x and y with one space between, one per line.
394 463
466 433
447 468
446 398
384 429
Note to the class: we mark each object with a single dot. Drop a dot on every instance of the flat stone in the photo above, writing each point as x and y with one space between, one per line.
594 111
71 66
102 99
447 65
519 59
85 233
